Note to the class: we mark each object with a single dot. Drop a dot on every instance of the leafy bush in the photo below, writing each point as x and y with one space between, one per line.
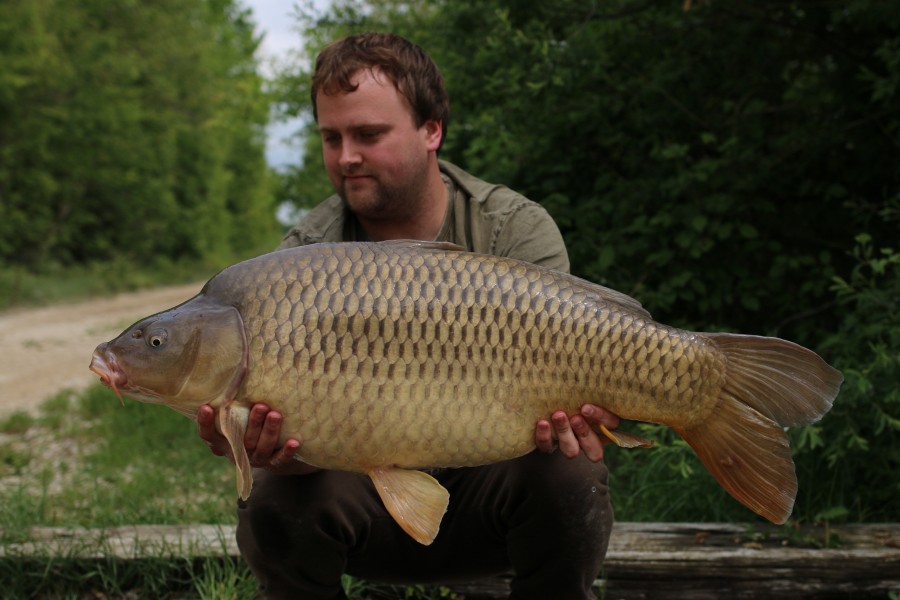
850 460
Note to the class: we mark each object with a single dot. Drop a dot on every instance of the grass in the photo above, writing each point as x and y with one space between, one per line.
86 461
99 464
55 284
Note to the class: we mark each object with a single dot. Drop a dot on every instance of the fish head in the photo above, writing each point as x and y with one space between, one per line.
187 356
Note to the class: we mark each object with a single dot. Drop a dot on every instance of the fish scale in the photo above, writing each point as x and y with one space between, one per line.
385 358
475 368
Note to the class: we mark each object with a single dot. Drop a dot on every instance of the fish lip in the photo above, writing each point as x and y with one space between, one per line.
111 374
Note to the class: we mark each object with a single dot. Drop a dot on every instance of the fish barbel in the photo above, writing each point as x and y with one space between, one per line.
385 358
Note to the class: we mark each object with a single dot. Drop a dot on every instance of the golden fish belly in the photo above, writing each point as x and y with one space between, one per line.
386 356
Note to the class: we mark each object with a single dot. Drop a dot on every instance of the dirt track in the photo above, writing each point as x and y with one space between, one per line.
49 349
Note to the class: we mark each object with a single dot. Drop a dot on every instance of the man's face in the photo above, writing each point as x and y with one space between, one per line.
376 157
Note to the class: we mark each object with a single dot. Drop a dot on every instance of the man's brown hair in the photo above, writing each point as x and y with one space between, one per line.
407 65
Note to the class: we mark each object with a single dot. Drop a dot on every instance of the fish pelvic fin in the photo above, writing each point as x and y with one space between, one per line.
770 384
624 439
233 424
415 499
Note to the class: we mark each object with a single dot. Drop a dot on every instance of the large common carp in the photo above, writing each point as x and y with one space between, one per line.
389 357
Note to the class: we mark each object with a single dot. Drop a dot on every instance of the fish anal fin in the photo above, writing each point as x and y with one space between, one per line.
749 455
415 499
232 422
624 439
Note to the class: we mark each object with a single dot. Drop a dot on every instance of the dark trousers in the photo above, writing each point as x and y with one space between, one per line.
543 516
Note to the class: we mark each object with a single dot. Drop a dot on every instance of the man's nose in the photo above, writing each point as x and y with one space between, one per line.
349 155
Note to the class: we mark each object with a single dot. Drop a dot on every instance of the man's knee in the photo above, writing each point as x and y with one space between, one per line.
563 482
295 532
289 514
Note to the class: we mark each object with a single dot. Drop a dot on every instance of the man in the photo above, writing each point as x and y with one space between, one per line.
382 111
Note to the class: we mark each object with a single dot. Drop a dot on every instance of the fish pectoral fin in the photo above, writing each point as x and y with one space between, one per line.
233 424
626 440
415 499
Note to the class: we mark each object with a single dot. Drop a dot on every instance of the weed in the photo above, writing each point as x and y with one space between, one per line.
12 460
16 423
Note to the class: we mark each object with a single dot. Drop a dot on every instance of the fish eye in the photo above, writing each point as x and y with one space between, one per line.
157 339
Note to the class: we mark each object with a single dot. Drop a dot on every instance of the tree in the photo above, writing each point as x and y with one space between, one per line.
130 129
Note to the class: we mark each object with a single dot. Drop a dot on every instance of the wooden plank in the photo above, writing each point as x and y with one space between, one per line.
702 561
129 542
740 561
645 560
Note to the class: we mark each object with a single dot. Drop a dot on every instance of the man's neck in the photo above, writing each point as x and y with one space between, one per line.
425 225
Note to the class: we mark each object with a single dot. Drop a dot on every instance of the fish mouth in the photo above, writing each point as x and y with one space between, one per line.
111 374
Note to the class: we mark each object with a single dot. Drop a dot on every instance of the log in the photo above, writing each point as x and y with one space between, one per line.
645 560
693 560
699 561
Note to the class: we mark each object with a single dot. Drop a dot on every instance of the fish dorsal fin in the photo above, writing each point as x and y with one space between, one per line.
624 300
608 295
425 244
233 424
604 293
415 499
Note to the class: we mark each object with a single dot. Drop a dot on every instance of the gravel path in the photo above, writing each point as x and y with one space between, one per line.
49 349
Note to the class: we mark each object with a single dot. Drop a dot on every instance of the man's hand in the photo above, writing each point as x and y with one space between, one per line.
260 440
576 434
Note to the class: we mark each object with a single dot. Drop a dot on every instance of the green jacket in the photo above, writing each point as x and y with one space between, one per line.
481 217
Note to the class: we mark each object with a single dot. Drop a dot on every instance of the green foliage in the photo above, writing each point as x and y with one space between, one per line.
54 283
130 130
851 458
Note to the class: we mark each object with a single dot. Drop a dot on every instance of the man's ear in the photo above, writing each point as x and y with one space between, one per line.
434 133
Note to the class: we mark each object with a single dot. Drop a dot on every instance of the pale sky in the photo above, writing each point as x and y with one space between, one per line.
273 18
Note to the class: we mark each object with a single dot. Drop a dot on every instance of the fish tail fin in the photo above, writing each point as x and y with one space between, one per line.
770 384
